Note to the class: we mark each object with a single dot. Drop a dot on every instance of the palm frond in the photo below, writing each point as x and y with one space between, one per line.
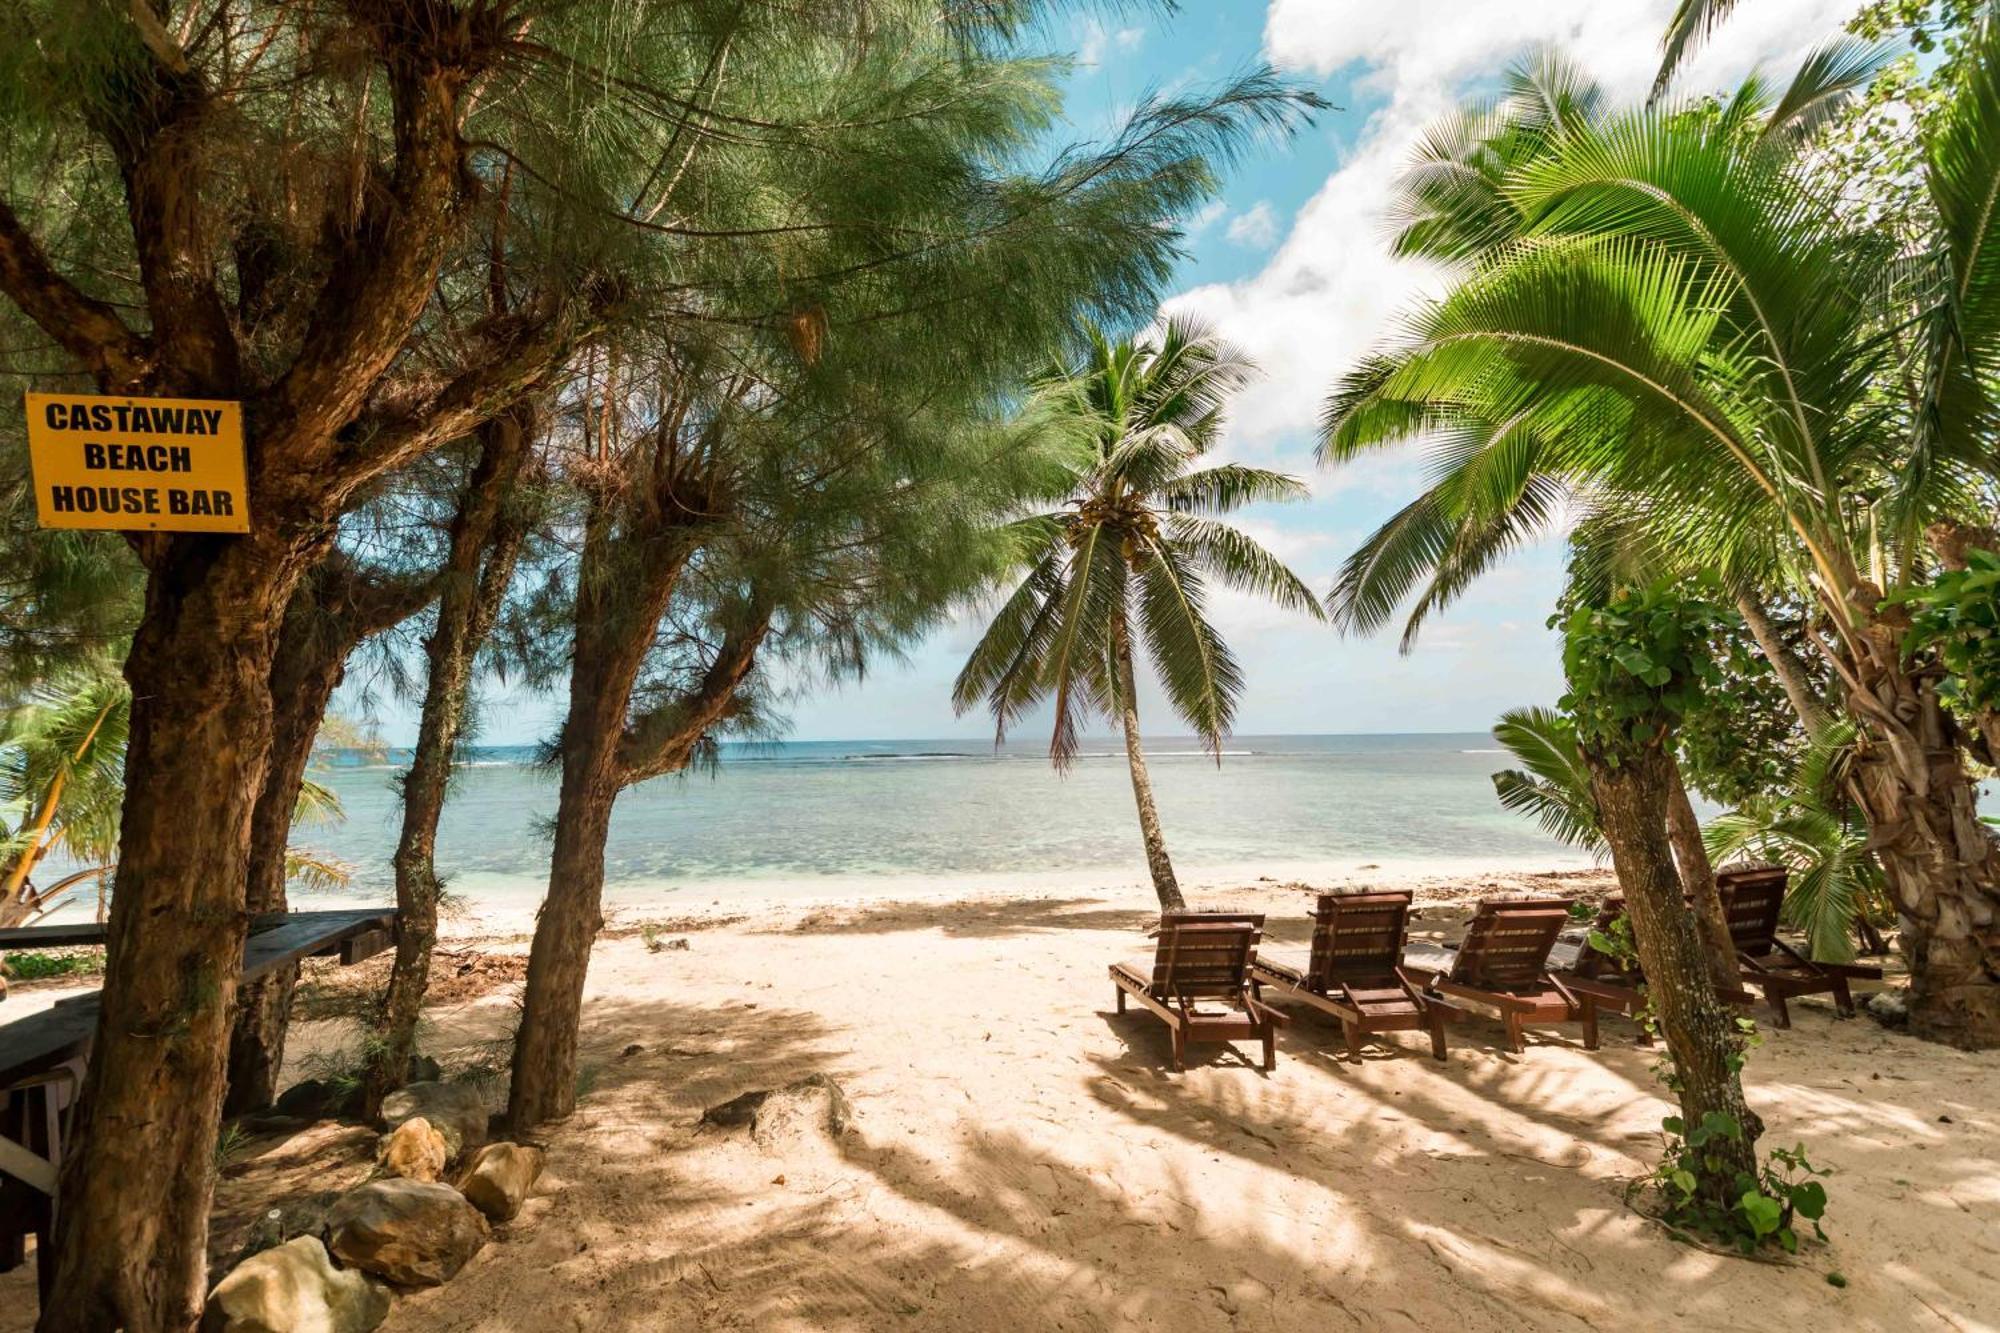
1235 560
1552 786
1200 675
1693 22
1826 82
318 804
317 871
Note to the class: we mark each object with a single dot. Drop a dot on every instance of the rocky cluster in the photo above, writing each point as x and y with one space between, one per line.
440 1188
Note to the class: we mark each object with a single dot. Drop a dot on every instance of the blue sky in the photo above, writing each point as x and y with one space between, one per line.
1290 263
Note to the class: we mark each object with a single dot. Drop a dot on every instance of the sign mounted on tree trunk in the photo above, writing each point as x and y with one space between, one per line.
138 464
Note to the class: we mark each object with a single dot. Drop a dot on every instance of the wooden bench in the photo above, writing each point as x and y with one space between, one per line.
1203 956
1354 971
43 1058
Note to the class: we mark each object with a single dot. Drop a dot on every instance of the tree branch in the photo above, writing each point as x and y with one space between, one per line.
524 363
386 266
664 739
88 329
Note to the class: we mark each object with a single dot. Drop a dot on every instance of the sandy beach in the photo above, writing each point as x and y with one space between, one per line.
1021 1157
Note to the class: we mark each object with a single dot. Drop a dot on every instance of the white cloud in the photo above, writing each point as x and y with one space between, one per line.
1094 41
1256 226
1331 288
1210 214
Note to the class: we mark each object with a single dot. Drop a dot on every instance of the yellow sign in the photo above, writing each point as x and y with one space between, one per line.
133 464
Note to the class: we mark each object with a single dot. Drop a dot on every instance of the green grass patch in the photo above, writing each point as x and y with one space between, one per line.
35 966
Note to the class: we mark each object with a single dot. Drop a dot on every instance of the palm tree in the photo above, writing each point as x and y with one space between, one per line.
62 759
1682 324
1129 556
1817 834
1553 784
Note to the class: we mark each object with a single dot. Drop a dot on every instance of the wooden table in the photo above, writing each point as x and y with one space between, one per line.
43 1057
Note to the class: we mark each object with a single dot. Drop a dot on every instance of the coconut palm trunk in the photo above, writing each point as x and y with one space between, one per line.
1785 665
1157 861
1941 863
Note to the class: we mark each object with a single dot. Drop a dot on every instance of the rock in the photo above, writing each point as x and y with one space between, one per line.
415 1151
1890 1008
294 1288
303 1215
414 1233
737 1111
778 1116
314 1099
498 1178
455 1108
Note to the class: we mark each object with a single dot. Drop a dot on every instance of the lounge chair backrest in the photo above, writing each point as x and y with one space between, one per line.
1357 937
1508 942
1751 900
1590 964
1205 953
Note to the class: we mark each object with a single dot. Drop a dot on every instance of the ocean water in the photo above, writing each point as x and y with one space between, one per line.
837 818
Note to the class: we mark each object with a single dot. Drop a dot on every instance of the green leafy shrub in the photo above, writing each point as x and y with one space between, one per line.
43 966
1958 615
1635 666
1767 1209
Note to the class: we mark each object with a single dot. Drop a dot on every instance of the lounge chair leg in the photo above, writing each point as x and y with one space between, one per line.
1517 1039
1180 1050
1353 1035
1589 1024
1270 1047
1121 999
1781 1014
1843 999
1437 1034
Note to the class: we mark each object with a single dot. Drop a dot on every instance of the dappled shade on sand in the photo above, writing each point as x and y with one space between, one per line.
1023 1159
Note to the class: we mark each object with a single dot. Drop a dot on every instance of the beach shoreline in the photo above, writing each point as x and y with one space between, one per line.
486 908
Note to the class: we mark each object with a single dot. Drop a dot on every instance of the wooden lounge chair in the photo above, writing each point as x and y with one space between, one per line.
1598 975
1203 956
1752 899
1355 970
1502 971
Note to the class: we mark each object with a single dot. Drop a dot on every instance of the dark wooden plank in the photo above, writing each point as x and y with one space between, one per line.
365 945
52 937
40 1042
309 934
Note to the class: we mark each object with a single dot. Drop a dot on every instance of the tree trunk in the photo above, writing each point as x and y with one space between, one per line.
1942 864
307 670
1791 672
624 583
132 1225
1164 883
544 1073
1698 878
1699 1029
489 524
